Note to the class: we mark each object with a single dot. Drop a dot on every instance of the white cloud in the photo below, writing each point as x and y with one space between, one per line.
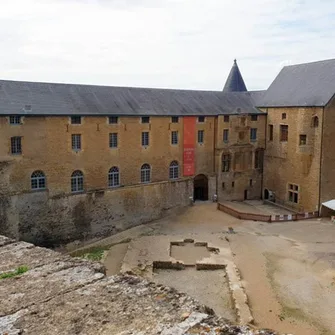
161 43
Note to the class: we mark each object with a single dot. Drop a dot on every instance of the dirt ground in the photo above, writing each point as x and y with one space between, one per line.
288 268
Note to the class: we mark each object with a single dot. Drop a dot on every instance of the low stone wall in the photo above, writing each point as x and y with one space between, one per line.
264 217
48 221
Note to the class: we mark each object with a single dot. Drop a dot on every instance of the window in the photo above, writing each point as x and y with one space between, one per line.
38 180
113 120
250 182
15 119
225 135
226 118
113 177
75 119
283 116
145 173
232 184
145 138
259 157
283 133
254 117
76 142
174 137
253 134
174 170
225 162
16 145
113 140
302 139
77 181
145 119
270 132
201 136
223 186
315 122
174 119
293 193
201 119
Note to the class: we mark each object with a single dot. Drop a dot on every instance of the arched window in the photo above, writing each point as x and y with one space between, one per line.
315 122
38 180
174 170
77 181
145 173
225 162
114 177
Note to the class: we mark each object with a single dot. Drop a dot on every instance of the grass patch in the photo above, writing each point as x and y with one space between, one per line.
96 253
19 271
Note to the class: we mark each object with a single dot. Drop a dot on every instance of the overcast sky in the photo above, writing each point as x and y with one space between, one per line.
161 43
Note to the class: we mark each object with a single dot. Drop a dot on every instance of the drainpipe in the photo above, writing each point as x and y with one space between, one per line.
320 165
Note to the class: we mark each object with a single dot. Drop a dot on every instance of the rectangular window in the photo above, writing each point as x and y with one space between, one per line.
15 119
270 132
250 182
201 119
16 145
233 184
225 163
254 117
113 140
145 119
259 157
225 135
293 193
113 120
76 142
223 186
201 136
283 133
302 139
174 119
75 119
283 116
226 118
253 134
145 138
174 137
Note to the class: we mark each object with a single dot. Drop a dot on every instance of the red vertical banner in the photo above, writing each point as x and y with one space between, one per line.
189 145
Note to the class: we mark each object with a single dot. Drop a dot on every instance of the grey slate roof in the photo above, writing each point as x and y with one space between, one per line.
235 82
71 99
309 84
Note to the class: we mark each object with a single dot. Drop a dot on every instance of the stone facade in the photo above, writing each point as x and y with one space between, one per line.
295 161
56 215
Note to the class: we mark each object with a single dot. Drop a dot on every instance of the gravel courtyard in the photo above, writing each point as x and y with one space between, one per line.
287 268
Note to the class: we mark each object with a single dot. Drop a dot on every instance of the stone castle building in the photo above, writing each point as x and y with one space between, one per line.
80 161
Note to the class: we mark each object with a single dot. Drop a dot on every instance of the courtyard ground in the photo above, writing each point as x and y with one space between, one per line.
287 268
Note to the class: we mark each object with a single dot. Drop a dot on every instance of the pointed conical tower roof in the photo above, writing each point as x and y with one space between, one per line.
235 82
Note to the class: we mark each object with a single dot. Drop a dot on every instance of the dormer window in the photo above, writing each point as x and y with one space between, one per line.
15 119
76 119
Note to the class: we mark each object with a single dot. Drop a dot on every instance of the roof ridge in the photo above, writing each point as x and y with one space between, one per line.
312 62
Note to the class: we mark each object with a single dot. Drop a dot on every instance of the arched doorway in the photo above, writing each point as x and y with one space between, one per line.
266 194
200 187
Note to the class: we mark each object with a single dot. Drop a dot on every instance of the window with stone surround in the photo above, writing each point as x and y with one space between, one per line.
253 134
76 119
270 132
174 137
174 170
226 162
283 133
15 119
293 193
145 173
113 120
113 140
114 177
16 145
38 180
145 138
225 135
76 142
77 181
302 139
201 134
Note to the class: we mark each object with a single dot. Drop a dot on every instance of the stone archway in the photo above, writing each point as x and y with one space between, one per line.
200 187
266 194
